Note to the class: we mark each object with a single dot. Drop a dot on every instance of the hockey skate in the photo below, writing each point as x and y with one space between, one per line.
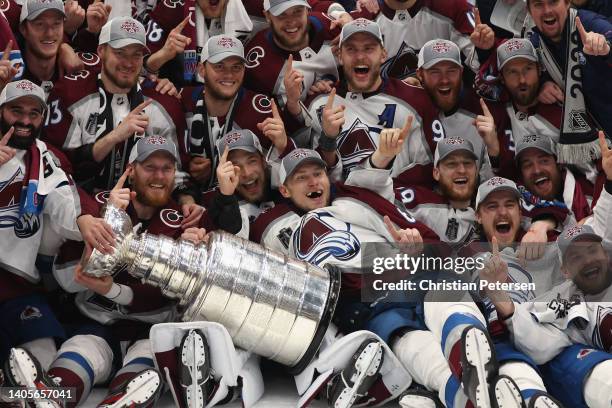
479 365
355 380
420 398
22 369
139 392
505 393
542 399
195 369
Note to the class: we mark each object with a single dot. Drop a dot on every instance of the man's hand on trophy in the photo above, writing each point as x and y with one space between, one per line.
227 174
101 285
195 235
119 196
97 233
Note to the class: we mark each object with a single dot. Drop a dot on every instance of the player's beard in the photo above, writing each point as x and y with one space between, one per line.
152 198
212 90
447 190
525 98
20 142
368 87
445 104
119 83
288 44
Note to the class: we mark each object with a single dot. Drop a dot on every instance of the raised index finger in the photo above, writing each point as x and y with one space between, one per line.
7 51
495 245
223 158
477 19
275 113
289 67
485 108
581 29
143 105
603 145
330 99
181 25
7 136
391 228
407 126
122 179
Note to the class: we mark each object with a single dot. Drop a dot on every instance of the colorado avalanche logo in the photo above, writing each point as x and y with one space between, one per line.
572 232
361 22
262 104
130 27
316 239
454 141
513 45
232 138
602 336
174 3
4 5
171 218
102 197
530 139
495 182
299 154
440 47
155 140
226 42
30 312
356 143
25 85
24 225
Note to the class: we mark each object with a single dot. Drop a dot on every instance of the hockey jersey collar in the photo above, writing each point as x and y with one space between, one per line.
390 13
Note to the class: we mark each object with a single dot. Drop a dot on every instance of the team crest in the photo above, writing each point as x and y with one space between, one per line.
440 47
356 143
454 141
25 85
155 140
513 45
573 232
130 27
232 138
30 313
495 182
321 236
226 42
171 218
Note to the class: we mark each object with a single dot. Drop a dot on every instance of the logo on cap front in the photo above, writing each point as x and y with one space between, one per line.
440 47
298 154
25 85
495 182
361 22
530 138
155 140
130 27
454 141
226 42
573 232
232 138
514 45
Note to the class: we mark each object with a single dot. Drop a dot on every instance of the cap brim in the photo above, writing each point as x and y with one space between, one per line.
42 102
521 151
307 160
515 192
223 55
527 57
281 8
124 42
434 61
361 31
34 15
471 153
145 156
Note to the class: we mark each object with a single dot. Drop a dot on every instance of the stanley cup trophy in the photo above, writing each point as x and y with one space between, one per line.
274 306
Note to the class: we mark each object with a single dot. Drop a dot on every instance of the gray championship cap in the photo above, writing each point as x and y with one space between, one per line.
361 25
123 31
515 48
435 51
31 9
540 142
495 184
295 159
450 145
220 47
151 144
278 7
241 139
576 233
21 89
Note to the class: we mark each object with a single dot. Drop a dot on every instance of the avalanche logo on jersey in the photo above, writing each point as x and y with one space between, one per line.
10 198
320 236
401 65
356 144
602 335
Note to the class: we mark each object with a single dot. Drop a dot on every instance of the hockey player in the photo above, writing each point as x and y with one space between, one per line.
296 32
349 120
408 25
96 119
223 105
122 301
577 355
36 195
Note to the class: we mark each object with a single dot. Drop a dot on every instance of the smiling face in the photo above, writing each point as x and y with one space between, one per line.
27 116
153 179
549 16
212 8
500 217
540 173
457 175
121 66
290 28
586 263
253 180
223 79
443 84
361 56
521 78
307 187
43 35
